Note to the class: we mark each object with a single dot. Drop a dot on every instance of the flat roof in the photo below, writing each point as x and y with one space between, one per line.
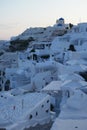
70 124
53 86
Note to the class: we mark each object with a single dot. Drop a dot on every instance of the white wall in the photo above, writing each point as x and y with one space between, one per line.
41 112
40 79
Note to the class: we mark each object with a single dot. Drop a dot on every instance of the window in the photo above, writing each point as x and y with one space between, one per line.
47 111
46 83
67 93
47 101
2 81
3 73
36 113
30 117
42 105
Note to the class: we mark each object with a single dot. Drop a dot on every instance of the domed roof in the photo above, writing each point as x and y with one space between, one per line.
61 18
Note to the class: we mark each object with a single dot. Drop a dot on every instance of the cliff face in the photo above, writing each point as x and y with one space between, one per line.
19 45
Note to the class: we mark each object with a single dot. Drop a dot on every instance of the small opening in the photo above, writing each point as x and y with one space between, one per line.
36 113
3 73
42 105
52 78
47 111
46 83
30 117
51 107
47 101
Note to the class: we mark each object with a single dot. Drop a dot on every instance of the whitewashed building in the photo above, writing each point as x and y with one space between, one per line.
24 110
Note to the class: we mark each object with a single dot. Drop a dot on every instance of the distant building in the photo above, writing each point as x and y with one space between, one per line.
60 21
40 50
60 27
81 27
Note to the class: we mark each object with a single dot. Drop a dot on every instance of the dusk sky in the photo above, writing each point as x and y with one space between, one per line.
17 15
